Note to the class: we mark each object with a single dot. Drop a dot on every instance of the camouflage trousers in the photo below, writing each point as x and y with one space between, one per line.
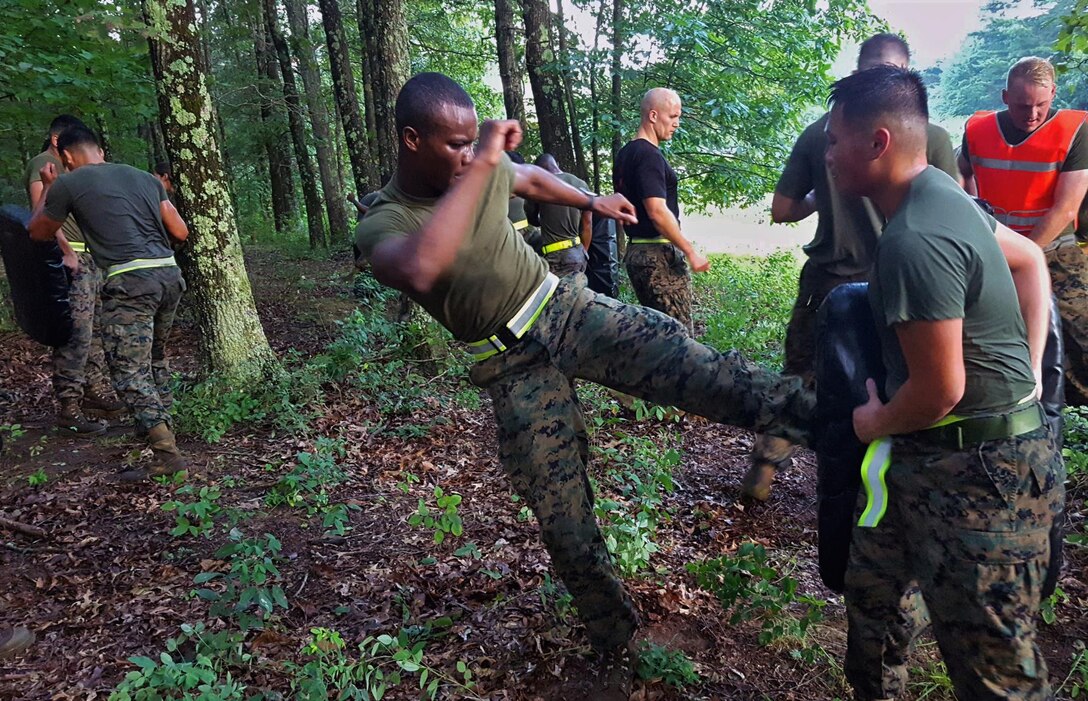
80 363
137 313
661 280
970 529
1069 276
814 284
638 351
568 262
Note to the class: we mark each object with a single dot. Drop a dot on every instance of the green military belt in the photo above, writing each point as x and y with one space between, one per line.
660 240
562 245
956 435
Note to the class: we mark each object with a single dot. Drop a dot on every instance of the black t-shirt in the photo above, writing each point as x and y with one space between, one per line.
640 172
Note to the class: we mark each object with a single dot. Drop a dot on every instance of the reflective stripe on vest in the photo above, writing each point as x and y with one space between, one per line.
521 224
562 245
1019 181
140 264
520 323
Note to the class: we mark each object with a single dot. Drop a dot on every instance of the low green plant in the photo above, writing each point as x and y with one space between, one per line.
753 590
1076 682
312 475
13 431
200 675
443 518
195 517
672 667
382 662
250 591
337 518
38 478
1048 609
629 537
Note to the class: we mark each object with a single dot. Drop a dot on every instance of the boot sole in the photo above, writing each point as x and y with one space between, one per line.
70 433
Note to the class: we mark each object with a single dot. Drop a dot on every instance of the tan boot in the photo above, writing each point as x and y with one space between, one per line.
167 460
71 421
97 403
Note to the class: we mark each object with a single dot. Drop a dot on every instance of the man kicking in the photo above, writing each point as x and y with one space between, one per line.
439 231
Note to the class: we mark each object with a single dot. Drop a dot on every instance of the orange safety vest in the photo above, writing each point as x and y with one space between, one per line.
1019 181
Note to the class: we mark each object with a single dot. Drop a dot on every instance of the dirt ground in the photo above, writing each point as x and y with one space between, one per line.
109 582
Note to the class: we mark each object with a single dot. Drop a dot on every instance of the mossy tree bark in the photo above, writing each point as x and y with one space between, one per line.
232 341
540 60
510 70
385 28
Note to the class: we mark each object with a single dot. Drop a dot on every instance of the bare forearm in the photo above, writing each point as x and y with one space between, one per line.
415 263
1052 224
539 185
913 408
587 229
668 226
1032 280
42 227
62 241
785 210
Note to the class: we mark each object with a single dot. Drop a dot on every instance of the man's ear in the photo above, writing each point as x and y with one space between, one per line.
881 141
1004 96
411 138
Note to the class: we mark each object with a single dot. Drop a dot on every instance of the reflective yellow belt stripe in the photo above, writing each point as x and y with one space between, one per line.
520 323
660 240
140 264
78 246
519 225
562 245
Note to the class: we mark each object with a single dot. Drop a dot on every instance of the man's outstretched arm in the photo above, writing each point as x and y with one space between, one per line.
539 185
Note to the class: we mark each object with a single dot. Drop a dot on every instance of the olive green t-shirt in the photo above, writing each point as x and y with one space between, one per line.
32 175
494 272
118 208
516 210
558 222
1076 159
848 227
938 259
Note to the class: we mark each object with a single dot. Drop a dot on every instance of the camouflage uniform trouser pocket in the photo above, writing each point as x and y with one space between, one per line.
659 275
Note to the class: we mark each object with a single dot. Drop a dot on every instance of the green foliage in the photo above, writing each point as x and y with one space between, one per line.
195 517
1075 446
1048 608
249 591
442 518
975 76
38 478
308 481
202 678
754 590
745 304
14 431
1076 682
629 537
381 664
672 667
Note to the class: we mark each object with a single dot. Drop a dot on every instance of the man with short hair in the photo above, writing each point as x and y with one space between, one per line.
80 377
1036 185
963 477
658 255
565 232
128 221
162 172
439 232
841 251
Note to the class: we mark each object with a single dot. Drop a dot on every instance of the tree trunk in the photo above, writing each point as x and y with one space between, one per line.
232 341
304 50
347 103
385 27
617 97
363 10
617 81
104 137
513 79
315 223
594 139
547 89
280 174
568 91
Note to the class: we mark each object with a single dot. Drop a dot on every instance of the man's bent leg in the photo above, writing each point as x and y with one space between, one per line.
536 414
1069 274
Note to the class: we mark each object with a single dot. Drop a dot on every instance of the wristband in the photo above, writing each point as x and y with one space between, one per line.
592 200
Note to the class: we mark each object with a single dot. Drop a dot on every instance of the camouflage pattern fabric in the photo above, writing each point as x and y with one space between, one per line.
661 280
80 363
137 312
815 284
970 529
571 261
638 351
1069 277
